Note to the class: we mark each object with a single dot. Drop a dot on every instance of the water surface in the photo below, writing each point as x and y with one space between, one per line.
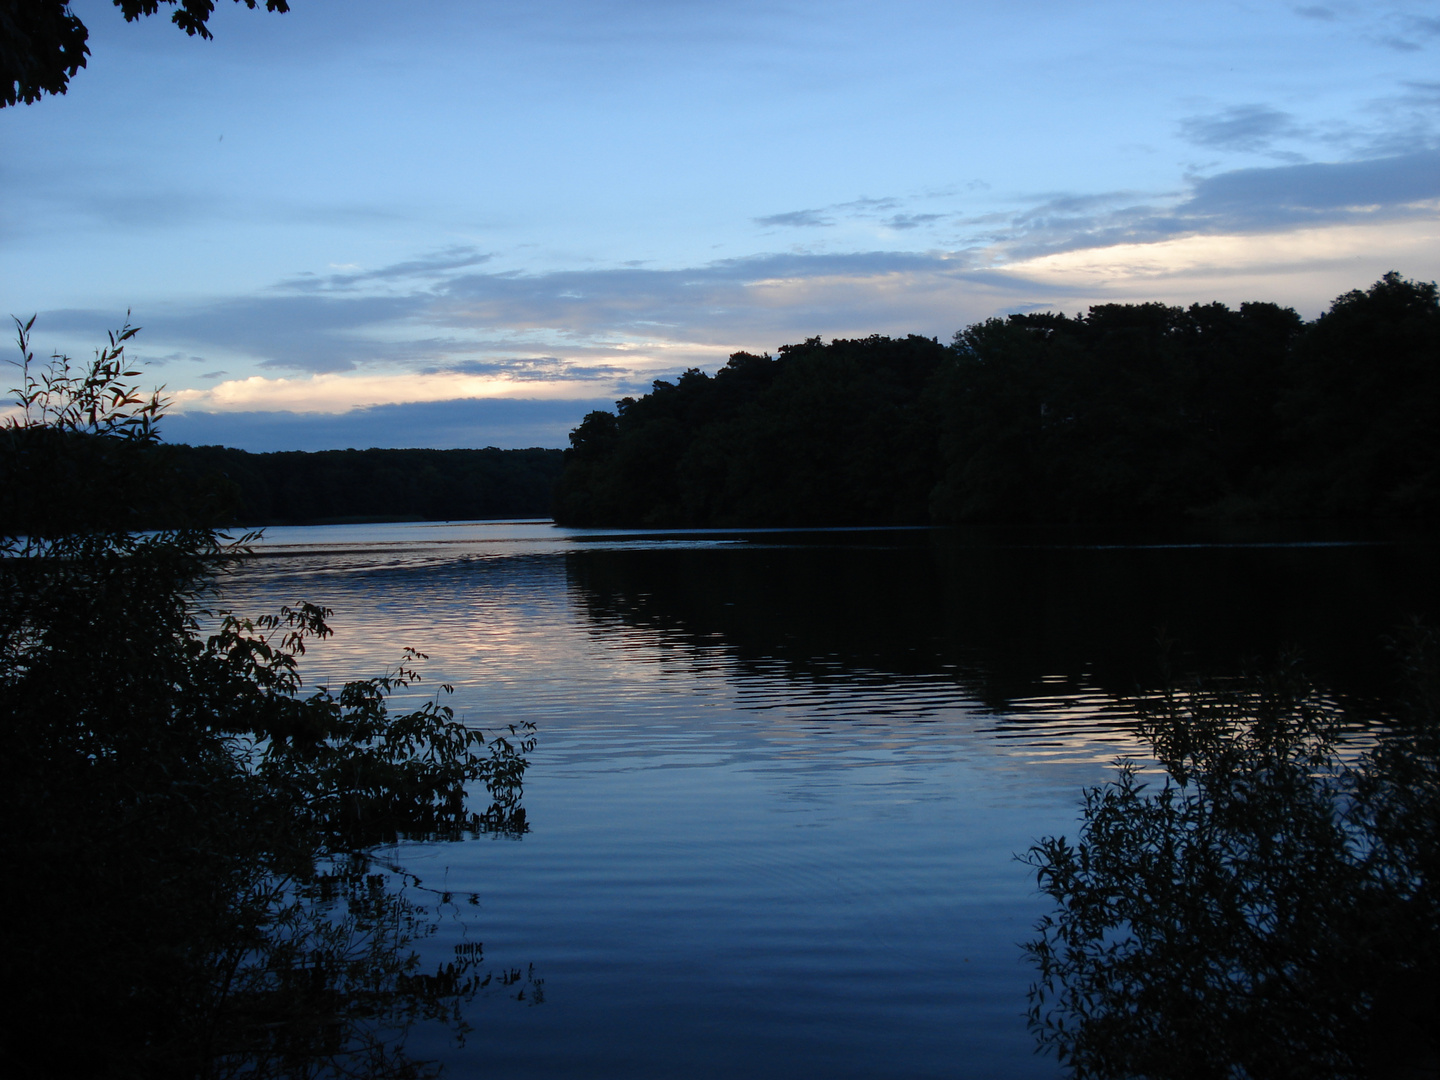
781 776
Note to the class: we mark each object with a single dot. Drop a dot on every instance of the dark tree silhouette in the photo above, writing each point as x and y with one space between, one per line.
192 891
43 43
298 487
1268 909
837 434
1127 413
1360 403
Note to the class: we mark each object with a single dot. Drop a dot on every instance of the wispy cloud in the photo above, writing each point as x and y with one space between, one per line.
912 221
535 369
1423 92
1240 127
867 205
1407 32
1427 25
433 266
795 219
886 210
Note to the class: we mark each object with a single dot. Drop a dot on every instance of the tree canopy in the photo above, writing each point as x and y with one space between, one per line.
1128 412
298 487
43 44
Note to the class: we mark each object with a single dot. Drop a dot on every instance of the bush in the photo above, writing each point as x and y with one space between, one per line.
192 892
1269 911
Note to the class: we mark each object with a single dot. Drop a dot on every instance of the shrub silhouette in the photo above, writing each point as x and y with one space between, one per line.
192 892
1269 910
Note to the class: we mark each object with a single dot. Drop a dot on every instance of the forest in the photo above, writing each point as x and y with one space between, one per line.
1126 413
332 486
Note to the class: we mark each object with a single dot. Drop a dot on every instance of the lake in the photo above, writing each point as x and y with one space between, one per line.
781 777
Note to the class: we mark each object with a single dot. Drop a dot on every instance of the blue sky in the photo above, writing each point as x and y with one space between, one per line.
468 223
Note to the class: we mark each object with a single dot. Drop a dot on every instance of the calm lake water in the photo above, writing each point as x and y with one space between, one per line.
781 777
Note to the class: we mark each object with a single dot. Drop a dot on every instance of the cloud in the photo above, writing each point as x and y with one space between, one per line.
319 333
1265 199
1065 213
864 208
1297 194
55 193
1410 33
1422 92
912 221
795 219
445 325
711 304
507 423
152 360
1304 268
865 205
1240 127
1321 14
538 368
432 266
291 332
339 393
610 331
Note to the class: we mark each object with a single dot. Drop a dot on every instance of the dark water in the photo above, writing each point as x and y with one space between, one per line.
781 777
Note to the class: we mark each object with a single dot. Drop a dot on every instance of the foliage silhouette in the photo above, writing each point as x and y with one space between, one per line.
1271 910
43 43
818 435
191 834
1130 412
1360 400
298 487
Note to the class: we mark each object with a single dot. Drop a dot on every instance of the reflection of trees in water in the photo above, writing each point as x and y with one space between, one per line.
1271 908
1002 612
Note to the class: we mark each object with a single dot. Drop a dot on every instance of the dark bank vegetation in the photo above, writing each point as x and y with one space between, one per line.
188 832
1269 907
1130 412
300 488
169 484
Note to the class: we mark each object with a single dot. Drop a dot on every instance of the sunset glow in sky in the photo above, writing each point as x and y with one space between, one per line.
465 223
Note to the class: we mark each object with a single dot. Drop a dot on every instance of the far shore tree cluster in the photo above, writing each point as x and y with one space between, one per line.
294 487
1130 412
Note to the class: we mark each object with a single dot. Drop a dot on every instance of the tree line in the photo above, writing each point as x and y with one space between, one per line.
1129 412
296 487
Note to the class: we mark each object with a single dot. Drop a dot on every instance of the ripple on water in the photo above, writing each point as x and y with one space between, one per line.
774 808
